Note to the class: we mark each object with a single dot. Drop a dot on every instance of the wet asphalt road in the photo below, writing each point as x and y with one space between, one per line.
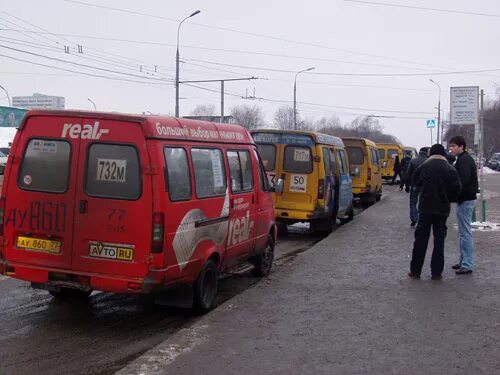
41 335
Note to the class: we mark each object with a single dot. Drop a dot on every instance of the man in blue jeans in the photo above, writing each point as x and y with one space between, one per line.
466 202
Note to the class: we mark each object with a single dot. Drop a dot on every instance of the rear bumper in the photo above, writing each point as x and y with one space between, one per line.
46 278
299 215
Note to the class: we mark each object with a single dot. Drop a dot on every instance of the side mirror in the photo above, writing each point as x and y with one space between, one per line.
279 186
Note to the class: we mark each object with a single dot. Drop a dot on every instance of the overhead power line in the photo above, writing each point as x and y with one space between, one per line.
430 73
391 58
81 65
84 73
424 8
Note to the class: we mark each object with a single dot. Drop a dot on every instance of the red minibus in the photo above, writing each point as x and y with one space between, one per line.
132 204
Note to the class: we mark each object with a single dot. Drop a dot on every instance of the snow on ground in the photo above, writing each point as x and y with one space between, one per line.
6 136
485 226
487 170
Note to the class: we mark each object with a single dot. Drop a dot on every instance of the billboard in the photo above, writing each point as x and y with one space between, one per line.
11 117
464 106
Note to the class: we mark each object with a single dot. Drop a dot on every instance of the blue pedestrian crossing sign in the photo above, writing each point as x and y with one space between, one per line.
431 123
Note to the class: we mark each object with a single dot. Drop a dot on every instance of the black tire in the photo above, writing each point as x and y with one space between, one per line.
349 215
205 288
378 196
68 293
322 225
282 228
263 263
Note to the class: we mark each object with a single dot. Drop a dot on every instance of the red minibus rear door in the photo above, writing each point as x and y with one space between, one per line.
40 194
113 205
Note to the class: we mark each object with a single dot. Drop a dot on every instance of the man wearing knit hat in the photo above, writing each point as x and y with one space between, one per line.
438 185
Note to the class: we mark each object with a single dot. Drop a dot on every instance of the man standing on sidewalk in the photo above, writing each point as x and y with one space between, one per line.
466 202
410 187
438 185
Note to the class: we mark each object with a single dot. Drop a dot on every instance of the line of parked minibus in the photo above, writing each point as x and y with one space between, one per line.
139 204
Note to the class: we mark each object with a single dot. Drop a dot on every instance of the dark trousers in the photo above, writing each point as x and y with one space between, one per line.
413 205
422 233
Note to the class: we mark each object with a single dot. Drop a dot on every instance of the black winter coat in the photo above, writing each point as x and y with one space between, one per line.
412 167
467 171
438 184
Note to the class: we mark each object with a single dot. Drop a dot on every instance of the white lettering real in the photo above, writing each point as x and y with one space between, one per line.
88 131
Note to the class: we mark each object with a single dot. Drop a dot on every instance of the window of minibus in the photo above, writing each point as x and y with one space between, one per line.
178 178
333 163
356 156
45 166
297 159
381 153
327 162
240 170
391 153
268 155
263 181
374 156
341 161
209 172
113 171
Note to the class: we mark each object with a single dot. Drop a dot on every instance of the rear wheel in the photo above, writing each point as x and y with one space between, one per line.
205 288
282 228
322 225
263 263
378 196
349 215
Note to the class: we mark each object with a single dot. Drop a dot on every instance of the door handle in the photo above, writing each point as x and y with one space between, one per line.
83 206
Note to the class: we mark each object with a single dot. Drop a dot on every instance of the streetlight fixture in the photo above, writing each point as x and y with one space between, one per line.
90 100
8 97
177 64
439 110
295 96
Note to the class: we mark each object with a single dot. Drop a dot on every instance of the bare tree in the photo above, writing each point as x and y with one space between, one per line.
283 118
204 111
363 127
250 117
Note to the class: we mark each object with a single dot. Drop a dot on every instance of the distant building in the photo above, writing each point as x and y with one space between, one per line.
38 101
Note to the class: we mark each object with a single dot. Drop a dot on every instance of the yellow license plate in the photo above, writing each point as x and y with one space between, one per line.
39 244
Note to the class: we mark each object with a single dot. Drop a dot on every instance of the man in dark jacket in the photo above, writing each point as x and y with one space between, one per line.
410 188
438 185
466 202
404 169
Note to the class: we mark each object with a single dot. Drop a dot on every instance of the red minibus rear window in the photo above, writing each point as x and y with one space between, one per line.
45 166
113 172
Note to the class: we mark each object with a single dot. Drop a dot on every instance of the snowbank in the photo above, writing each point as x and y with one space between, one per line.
487 170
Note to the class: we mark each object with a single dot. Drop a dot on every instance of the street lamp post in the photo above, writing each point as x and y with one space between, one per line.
295 96
90 100
439 111
8 97
177 64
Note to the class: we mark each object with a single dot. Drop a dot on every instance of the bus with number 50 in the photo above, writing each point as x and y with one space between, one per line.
317 185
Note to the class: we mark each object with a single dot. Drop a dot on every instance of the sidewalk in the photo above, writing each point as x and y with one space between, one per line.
347 307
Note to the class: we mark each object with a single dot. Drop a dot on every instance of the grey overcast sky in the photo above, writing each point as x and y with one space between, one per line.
369 58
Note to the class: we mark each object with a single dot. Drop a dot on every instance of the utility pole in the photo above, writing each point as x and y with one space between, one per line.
221 89
177 58
8 97
439 111
481 160
295 96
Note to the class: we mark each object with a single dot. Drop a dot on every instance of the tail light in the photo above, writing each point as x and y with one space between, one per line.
369 173
158 231
321 189
2 214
